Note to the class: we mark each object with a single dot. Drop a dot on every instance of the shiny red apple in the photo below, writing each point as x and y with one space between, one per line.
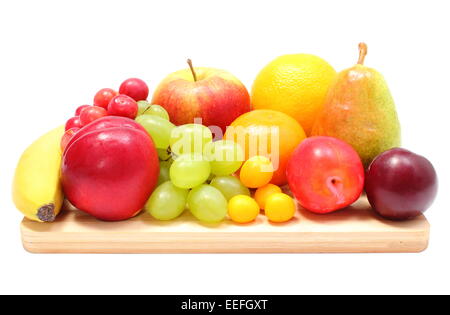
214 95
400 184
325 174
110 172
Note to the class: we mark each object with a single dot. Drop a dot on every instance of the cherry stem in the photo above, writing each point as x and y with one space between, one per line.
362 53
189 61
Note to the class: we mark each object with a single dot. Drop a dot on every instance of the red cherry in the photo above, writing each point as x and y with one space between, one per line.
134 88
122 105
89 114
73 122
103 97
79 109
67 136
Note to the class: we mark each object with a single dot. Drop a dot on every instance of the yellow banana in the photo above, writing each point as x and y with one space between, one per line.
37 191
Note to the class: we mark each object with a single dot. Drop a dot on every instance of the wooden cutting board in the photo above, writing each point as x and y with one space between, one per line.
356 229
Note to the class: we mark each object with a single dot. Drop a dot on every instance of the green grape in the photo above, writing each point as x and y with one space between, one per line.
189 170
159 128
164 154
167 202
190 138
207 204
145 108
226 156
230 186
164 173
142 107
157 110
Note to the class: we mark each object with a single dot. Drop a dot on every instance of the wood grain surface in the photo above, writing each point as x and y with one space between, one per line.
356 229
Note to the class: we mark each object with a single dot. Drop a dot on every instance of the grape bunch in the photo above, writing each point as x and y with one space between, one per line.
195 172
198 174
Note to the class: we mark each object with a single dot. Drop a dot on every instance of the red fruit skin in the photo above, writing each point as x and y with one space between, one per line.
110 173
124 106
400 184
217 99
325 174
92 113
104 123
134 88
73 122
69 134
103 97
80 108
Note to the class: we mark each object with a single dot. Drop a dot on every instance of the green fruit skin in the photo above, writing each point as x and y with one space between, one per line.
207 204
359 110
230 186
167 202
164 173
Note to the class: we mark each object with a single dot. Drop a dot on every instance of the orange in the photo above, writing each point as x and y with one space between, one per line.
268 133
264 192
294 84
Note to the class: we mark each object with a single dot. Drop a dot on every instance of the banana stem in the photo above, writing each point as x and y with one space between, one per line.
362 53
189 61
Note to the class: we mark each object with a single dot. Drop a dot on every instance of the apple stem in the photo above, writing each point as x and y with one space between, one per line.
189 61
362 53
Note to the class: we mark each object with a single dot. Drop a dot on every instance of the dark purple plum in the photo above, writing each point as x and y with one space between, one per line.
400 184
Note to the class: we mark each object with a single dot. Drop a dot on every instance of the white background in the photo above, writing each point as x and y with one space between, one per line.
54 56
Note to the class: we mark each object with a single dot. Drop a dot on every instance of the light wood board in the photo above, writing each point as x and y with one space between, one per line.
356 229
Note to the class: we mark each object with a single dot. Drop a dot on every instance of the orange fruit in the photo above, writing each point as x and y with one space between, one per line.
295 85
267 133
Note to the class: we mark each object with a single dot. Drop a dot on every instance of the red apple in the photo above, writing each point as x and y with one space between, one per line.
214 95
325 174
110 173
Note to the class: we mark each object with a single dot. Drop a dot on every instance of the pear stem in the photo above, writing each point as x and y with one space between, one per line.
189 61
362 53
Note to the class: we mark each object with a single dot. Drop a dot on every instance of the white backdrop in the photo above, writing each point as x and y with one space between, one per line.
54 56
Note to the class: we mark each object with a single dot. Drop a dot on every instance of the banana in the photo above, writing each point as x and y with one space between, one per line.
37 191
